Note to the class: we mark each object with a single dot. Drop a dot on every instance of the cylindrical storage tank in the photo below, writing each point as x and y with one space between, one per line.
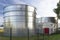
49 19
19 17
46 19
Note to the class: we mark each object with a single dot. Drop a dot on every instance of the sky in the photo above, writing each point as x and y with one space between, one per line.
44 7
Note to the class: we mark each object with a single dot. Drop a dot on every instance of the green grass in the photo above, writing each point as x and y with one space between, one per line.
50 37
55 37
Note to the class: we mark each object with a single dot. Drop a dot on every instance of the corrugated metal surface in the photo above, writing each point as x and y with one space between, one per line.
47 19
19 17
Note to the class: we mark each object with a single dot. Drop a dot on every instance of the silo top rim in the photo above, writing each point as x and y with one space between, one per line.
45 17
19 4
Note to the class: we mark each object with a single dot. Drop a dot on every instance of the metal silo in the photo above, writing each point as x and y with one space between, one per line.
19 17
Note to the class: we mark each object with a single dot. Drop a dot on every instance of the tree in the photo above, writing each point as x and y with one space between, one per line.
57 10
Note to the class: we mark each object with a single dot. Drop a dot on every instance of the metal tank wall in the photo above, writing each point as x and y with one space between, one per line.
49 19
20 18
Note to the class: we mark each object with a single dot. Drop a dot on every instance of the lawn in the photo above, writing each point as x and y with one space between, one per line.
40 37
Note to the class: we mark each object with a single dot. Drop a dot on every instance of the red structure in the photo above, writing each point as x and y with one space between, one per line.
46 30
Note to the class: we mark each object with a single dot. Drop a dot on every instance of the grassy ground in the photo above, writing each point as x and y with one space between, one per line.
41 37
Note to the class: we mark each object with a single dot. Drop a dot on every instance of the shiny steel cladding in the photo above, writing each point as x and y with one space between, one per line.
19 18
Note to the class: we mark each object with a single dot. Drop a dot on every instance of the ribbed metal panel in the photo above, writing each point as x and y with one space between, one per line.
17 7
47 19
20 18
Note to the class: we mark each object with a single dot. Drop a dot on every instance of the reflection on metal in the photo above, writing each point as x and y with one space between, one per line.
47 19
19 18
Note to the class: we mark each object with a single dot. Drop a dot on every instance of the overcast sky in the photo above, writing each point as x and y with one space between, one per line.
44 7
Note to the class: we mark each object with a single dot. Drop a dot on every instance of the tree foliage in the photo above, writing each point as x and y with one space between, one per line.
57 10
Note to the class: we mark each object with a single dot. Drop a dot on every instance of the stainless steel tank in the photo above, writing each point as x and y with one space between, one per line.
46 19
19 17
49 19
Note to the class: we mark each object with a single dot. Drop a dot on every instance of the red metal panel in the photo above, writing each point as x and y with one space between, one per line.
46 30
